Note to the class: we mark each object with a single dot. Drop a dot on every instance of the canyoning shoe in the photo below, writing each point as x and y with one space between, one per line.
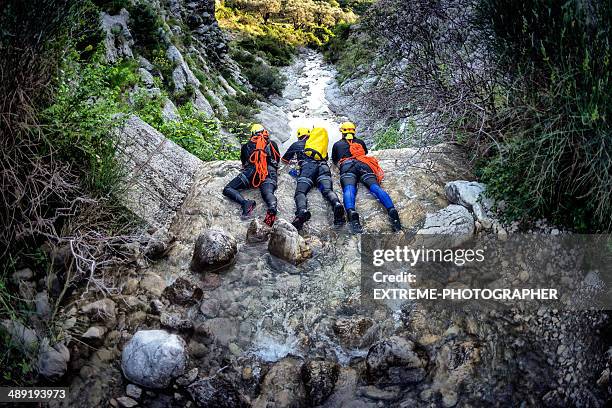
270 217
301 219
396 224
339 216
247 208
356 227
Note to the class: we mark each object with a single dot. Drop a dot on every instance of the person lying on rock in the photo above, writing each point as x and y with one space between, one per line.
310 151
260 159
350 155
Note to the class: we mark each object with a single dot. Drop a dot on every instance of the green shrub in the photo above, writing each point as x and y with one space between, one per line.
112 6
199 135
555 155
80 120
270 48
145 25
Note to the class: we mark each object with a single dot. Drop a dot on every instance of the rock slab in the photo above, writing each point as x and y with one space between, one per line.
214 250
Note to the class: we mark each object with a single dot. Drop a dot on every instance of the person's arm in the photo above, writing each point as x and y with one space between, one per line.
244 155
275 146
290 153
335 157
365 148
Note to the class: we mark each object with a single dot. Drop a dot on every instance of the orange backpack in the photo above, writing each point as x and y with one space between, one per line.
358 153
259 158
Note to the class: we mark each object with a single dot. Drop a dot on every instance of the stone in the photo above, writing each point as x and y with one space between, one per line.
221 330
184 292
153 283
188 377
157 306
52 362
146 78
182 74
175 321
169 112
350 330
158 173
387 356
126 402
319 377
454 224
214 250
258 232
43 308
21 336
133 391
287 244
375 393
282 386
465 193
153 358
215 392
100 310
24 274
118 40
94 333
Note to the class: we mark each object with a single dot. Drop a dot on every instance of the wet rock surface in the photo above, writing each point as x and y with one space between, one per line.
153 358
214 250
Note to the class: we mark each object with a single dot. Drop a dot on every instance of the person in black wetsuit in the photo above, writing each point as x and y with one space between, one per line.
311 172
354 168
260 160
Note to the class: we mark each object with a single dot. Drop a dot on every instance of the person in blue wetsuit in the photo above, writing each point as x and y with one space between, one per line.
350 155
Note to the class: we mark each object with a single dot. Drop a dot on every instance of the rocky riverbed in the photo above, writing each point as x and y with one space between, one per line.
234 314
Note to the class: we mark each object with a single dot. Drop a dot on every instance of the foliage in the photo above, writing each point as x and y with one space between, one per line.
145 25
79 122
268 47
265 79
556 156
525 87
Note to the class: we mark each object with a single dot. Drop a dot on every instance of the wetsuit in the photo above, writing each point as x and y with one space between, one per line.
244 179
311 172
352 171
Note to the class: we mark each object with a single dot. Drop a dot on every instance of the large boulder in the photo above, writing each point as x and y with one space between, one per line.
469 194
454 224
118 40
286 243
158 173
214 250
153 358
282 387
395 361
52 361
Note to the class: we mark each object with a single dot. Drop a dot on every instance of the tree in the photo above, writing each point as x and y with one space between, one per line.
299 12
265 8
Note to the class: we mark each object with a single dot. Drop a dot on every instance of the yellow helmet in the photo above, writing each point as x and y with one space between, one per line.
257 129
303 132
348 128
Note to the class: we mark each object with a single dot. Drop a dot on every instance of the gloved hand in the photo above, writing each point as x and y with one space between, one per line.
293 173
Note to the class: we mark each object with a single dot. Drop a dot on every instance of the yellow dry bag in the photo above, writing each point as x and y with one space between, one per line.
317 143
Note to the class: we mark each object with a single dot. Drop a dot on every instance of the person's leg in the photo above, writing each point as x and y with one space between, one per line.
232 191
349 190
267 190
369 179
325 184
305 182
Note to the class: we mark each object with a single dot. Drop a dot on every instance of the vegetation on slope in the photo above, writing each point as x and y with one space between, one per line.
526 87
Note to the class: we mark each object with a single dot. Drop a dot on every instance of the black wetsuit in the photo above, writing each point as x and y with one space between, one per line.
311 172
244 179
352 171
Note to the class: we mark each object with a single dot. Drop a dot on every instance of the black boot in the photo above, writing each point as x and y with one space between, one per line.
247 208
395 220
339 216
301 219
270 217
353 218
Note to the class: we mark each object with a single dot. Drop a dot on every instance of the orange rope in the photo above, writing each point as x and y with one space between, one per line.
259 158
358 153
